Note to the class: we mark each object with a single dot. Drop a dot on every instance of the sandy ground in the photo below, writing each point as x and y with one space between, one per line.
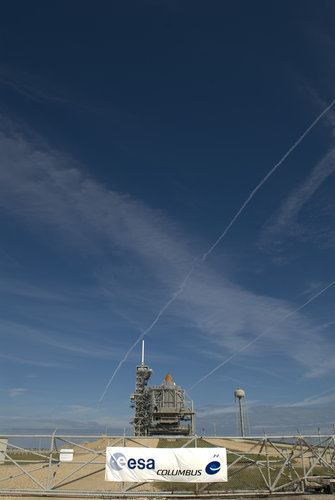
85 473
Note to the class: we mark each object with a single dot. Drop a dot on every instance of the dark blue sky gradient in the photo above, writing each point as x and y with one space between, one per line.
131 133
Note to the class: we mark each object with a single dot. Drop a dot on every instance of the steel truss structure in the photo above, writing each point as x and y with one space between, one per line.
256 466
160 410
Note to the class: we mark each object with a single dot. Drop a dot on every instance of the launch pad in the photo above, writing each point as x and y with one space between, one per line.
160 410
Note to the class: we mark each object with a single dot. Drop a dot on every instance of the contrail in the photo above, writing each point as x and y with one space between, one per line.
145 332
254 191
262 335
210 250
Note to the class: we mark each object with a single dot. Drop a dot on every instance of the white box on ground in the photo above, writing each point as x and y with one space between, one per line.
66 455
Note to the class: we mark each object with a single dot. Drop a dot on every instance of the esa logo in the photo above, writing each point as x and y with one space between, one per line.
213 467
118 461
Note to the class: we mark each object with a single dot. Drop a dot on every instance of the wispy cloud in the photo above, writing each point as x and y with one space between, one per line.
210 411
48 190
180 289
284 222
26 85
291 420
322 398
313 401
282 320
14 393
58 340
23 361
22 289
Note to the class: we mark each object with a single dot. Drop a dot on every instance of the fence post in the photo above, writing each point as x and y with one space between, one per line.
303 482
52 445
267 461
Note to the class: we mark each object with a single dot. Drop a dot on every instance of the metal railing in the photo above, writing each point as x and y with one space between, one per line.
35 465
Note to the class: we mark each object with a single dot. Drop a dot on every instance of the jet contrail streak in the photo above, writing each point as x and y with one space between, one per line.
274 168
262 335
145 332
210 250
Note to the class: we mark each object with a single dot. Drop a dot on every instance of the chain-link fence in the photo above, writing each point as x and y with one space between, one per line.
59 465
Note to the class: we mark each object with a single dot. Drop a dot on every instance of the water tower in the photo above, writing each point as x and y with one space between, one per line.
241 413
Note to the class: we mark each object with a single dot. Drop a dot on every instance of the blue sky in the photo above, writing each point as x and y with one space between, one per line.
131 134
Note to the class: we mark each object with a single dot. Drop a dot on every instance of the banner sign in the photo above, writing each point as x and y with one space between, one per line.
195 465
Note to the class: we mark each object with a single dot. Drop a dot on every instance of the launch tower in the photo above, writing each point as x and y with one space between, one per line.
160 410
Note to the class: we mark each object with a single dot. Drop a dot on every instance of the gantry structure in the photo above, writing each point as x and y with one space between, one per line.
160 410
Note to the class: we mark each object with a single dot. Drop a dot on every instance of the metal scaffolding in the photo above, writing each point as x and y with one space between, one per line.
74 466
160 410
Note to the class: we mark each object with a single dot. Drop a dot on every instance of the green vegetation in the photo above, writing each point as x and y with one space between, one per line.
181 442
30 456
249 478
244 475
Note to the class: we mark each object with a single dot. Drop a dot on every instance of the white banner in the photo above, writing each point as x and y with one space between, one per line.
195 465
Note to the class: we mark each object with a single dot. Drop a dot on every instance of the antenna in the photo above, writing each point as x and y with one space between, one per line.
142 363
